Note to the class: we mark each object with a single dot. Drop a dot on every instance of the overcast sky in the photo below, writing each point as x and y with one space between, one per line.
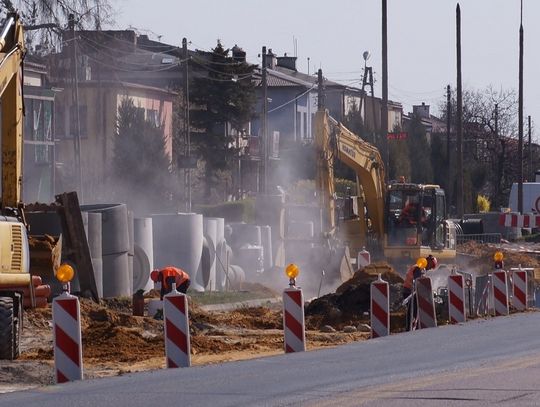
333 35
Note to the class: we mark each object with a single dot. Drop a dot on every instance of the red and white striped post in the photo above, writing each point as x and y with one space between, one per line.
380 308
426 305
294 326
500 292
66 315
519 299
456 299
363 259
177 340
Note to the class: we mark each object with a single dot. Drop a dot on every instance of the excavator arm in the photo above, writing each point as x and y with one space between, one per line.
335 140
11 59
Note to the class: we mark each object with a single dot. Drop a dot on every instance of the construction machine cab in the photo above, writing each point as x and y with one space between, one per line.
416 218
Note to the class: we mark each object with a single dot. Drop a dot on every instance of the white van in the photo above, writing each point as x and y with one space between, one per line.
531 196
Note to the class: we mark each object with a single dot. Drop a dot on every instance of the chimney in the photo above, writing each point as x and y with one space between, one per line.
238 54
271 60
422 111
287 62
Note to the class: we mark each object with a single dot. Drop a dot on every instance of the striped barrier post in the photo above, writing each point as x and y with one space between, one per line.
500 292
66 317
380 308
456 299
176 318
519 299
293 320
363 259
426 305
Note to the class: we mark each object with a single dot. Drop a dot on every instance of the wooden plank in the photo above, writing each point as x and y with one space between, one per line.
74 239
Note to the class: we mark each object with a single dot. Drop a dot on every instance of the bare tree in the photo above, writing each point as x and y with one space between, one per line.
45 19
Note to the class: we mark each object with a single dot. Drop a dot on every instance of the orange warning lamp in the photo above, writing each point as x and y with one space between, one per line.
292 271
498 258
421 262
65 273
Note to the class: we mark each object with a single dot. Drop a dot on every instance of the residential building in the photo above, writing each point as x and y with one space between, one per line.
100 90
38 182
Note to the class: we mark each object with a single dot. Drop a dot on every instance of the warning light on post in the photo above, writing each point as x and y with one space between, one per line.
421 262
65 273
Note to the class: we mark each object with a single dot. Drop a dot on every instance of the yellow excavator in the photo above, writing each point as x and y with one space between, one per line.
401 221
14 248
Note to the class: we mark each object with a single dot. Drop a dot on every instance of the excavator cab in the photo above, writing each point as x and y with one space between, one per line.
415 222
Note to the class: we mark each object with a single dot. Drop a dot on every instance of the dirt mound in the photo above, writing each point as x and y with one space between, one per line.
350 304
483 254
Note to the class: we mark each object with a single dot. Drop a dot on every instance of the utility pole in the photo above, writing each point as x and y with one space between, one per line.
459 138
75 98
384 107
263 176
531 171
520 116
187 130
448 124
320 91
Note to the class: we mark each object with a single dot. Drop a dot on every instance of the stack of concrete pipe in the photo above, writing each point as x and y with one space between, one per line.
117 280
178 241
143 260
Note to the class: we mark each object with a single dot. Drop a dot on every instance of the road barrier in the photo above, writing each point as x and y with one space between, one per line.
177 341
519 298
66 315
426 305
380 307
456 298
500 292
517 220
293 320
363 259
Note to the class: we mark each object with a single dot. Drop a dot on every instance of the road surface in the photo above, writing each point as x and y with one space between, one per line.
475 364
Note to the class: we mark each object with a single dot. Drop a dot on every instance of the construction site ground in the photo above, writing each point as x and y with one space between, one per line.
115 342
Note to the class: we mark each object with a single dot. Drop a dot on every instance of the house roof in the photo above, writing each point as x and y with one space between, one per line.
121 84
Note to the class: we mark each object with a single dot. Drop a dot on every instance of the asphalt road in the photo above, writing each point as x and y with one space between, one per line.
478 363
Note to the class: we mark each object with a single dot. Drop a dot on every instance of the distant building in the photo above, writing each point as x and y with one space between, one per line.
101 91
38 183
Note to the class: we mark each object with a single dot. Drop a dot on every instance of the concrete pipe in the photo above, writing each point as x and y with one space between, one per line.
220 253
97 265
94 234
236 277
178 241
142 230
141 270
203 274
114 227
210 227
131 249
250 258
266 237
116 281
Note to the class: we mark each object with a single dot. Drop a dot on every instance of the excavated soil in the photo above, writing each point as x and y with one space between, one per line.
115 342
350 304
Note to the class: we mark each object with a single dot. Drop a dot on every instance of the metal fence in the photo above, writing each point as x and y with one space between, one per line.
480 238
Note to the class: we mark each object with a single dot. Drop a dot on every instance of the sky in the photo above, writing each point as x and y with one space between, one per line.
334 35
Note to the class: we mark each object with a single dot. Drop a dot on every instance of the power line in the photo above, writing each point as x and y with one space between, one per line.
292 100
